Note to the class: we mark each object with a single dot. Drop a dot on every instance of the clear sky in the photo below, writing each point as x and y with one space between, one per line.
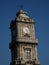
39 11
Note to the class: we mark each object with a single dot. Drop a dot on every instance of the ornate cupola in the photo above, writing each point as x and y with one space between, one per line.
23 40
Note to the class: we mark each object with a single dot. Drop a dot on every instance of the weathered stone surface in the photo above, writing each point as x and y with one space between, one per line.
23 44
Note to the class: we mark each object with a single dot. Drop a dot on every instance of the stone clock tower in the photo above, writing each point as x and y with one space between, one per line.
23 41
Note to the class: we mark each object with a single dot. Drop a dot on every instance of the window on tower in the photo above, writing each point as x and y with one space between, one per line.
27 53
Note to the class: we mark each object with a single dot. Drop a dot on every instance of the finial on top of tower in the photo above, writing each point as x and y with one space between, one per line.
21 7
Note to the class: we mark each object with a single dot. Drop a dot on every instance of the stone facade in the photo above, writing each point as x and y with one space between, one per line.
23 41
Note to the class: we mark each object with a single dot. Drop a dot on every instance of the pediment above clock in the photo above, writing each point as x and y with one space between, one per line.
22 16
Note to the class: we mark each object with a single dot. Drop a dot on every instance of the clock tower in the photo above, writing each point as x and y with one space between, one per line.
23 44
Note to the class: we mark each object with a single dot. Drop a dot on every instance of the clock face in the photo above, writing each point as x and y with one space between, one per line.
25 29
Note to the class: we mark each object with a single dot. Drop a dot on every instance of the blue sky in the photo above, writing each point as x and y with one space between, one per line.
37 10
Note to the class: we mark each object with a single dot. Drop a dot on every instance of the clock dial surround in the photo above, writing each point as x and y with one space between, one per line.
26 30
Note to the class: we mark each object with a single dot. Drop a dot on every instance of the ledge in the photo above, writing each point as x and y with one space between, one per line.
29 40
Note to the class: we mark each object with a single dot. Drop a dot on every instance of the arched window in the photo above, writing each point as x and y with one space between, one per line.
27 53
